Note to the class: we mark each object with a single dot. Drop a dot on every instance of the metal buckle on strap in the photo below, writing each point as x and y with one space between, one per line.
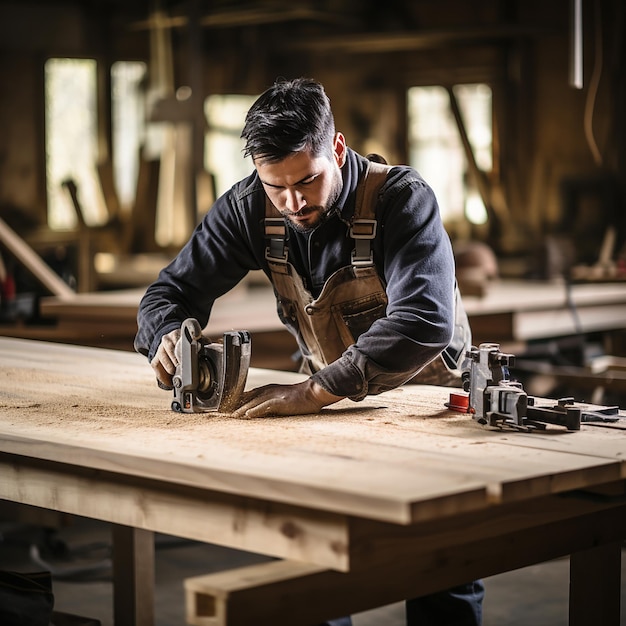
362 261
273 254
275 232
275 226
363 229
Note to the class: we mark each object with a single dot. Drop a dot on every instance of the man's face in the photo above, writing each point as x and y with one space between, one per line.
303 187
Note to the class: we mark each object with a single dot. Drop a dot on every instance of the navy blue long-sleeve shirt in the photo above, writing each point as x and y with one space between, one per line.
412 253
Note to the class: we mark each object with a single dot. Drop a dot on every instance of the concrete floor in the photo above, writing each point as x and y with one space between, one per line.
536 595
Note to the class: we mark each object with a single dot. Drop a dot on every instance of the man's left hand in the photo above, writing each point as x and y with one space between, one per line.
298 399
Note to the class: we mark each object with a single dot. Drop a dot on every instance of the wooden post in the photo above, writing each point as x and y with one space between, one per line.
595 586
133 576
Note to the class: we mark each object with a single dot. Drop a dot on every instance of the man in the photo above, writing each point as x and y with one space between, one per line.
363 276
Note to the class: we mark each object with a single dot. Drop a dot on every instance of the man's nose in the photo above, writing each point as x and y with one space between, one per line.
294 201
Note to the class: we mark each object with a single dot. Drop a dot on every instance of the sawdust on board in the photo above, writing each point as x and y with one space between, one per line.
77 408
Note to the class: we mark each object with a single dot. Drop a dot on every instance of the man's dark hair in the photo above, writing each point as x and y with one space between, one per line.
291 116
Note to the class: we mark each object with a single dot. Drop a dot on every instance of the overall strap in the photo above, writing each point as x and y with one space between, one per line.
275 234
363 227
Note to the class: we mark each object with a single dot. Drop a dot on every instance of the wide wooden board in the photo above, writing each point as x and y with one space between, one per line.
400 457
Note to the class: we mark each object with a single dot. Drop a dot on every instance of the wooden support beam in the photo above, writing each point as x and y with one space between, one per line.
287 593
212 599
33 262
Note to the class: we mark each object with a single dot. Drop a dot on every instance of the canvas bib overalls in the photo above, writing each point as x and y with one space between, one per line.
351 299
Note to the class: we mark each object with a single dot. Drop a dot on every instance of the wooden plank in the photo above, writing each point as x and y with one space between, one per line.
492 316
231 311
241 523
403 459
320 481
375 544
604 443
507 296
553 323
211 599
407 574
112 304
101 428
115 336
430 482
488 462
589 441
413 431
510 310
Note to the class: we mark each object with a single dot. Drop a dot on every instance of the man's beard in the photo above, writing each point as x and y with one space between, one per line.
324 212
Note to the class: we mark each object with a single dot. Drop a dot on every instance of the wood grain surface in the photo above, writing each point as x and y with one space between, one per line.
399 457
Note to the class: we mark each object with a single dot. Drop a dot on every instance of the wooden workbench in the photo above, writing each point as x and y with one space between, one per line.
109 319
519 311
389 498
510 311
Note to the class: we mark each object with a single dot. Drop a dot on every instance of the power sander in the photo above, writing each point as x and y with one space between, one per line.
210 376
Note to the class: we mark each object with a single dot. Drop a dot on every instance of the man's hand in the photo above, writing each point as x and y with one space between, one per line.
299 399
166 359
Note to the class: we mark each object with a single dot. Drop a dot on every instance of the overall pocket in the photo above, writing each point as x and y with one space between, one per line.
355 317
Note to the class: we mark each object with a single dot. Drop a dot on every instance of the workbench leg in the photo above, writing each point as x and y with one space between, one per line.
594 594
133 576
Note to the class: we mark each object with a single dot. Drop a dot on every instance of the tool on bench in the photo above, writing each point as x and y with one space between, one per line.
496 400
210 376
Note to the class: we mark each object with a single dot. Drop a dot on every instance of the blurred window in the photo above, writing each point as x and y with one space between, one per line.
224 158
436 150
128 108
71 138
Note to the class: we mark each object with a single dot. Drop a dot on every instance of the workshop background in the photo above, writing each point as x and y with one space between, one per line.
120 122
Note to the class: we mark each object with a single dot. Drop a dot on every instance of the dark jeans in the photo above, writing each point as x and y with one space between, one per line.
459 606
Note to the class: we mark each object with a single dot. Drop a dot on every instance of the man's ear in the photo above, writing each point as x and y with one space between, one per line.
339 149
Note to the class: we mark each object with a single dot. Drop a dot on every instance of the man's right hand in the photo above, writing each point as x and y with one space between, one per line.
166 359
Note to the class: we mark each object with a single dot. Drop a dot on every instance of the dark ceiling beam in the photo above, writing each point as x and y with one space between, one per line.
400 42
244 17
